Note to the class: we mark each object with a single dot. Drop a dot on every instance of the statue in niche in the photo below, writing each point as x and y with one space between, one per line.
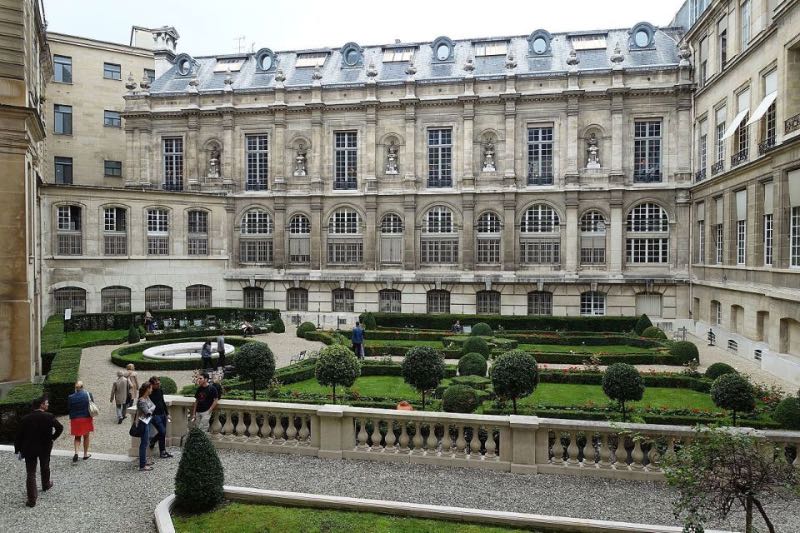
488 156
391 158
300 161
213 162
593 152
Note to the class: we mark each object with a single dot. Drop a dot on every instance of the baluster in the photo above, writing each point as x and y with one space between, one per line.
277 432
605 451
669 454
291 431
653 457
361 436
266 429
390 438
417 440
304 431
227 429
240 429
216 427
461 443
796 462
474 443
490 444
432 442
376 435
252 429
558 450
620 454
447 441
588 450
404 436
637 456
572 449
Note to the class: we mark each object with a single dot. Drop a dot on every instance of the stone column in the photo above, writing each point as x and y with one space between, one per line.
617 137
279 236
316 232
467 233
317 151
680 163
146 178
370 242
468 116
616 233
369 143
571 265
409 232
510 140
509 238
278 151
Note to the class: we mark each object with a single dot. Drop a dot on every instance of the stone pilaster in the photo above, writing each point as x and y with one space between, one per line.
279 238
509 240
318 226
616 235
467 232
409 232
571 237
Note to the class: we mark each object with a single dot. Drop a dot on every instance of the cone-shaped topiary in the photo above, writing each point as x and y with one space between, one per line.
472 364
481 329
685 351
623 383
256 363
278 326
200 477
653 332
476 344
734 393
168 385
423 369
133 335
368 320
719 369
642 324
514 375
460 399
787 413
337 365
305 327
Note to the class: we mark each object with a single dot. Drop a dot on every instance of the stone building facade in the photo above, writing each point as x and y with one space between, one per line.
537 174
24 67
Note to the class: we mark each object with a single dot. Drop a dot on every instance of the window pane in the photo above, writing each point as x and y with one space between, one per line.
62 69
440 158
112 71
112 168
540 156
345 160
257 159
647 151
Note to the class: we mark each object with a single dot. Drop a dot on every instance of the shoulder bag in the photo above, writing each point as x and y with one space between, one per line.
93 409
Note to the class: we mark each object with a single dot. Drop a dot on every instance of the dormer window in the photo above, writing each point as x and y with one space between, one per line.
265 60
588 42
310 60
539 43
232 64
443 49
391 55
352 55
494 48
642 35
184 63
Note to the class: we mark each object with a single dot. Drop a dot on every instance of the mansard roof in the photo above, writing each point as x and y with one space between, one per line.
660 53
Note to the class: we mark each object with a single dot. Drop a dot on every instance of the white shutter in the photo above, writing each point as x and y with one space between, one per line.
794 188
720 211
701 211
768 192
741 205
648 304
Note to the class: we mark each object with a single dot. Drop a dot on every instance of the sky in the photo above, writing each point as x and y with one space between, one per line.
215 27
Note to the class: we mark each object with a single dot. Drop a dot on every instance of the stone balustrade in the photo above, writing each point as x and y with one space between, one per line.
522 444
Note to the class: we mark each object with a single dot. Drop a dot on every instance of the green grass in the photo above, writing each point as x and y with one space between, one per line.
77 338
613 348
252 518
380 386
404 343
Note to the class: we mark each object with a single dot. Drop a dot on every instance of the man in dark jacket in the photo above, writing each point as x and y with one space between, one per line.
160 418
34 441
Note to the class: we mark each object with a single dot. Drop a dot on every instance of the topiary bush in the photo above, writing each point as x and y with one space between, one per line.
514 375
304 328
685 351
200 477
256 363
337 365
472 364
460 399
653 332
787 413
368 320
423 369
623 383
719 369
642 324
482 329
133 335
476 344
734 393
278 326
168 385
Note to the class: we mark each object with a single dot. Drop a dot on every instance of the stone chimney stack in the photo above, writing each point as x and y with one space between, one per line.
165 39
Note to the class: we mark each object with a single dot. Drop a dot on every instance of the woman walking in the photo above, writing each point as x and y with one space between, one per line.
80 420
144 414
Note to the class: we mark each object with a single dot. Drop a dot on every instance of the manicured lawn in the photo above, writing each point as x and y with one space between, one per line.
614 348
382 386
251 518
76 338
410 344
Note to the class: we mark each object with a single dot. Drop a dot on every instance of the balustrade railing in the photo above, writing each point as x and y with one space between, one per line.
524 444
700 175
792 124
739 157
766 145
717 167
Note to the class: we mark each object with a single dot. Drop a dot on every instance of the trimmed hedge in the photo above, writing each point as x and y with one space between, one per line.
52 337
477 345
460 399
653 332
482 329
98 321
719 369
665 380
685 351
542 323
586 338
304 328
787 413
60 381
14 406
208 334
168 385
472 364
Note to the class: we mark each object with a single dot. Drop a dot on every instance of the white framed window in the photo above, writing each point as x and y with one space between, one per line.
438 301
310 60
491 48
391 239
234 64
198 232
299 239
255 240
343 300
768 235
794 237
198 297
344 222
69 234
647 234
158 297
173 163
440 157
115 231
391 55
112 71
718 243
389 301
719 133
716 313
63 170
540 156
745 16
297 299
701 233
62 69
257 159
540 241
540 303
69 298
62 119
702 62
647 151
253 297
539 218
593 238
722 41
439 241
488 238
345 160
588 42
115 299
741 241
112 119
702 149
157 232
345 243
593 303
487 302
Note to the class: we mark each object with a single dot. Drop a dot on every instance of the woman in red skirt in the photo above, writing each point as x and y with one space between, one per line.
80 420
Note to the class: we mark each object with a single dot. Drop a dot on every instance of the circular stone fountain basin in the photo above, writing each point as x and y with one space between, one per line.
181 351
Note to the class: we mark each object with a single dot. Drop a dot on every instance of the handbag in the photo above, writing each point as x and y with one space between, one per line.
135 431
93 409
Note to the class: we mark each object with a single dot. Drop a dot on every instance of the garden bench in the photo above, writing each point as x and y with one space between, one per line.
297 358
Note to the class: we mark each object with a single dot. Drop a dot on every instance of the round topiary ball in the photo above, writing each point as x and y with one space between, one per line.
168 385
684 351
719 369
734 393
460 399
368 320
653 332
305 327
278 326
481 329
472 364
787 413
476 344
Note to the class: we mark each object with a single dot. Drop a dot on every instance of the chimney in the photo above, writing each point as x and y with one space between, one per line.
165 39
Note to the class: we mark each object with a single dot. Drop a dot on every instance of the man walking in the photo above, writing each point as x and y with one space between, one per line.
160 418
205 401
358 340
119 395
221 351
35 436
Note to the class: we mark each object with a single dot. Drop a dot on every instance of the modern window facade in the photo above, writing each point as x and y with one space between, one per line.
540 155
62 119
112 71
257 158
647 151
112 119
440 157
63 170
62 69
345 172
112 169
197 226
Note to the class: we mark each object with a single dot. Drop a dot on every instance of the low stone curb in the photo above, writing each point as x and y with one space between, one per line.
68 453
163 518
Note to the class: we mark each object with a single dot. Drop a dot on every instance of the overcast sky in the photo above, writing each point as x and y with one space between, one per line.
209 27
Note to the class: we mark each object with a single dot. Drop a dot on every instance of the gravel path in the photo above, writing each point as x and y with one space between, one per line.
125 499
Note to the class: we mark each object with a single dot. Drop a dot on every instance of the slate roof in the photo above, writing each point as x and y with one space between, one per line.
664 54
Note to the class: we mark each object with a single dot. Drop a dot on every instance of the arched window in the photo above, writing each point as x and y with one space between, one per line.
115 231
157 232
593 303
389 301
488 237
540 239
391 239
253 297
345 243
540 303
198 297
115 300
69 298
438 301
69 237
158 297
343 301
593 238
255 241
487 302
439 243
297 299
647 234
299 240
197 232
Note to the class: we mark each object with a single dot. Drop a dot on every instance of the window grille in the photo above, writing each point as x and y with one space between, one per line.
440 152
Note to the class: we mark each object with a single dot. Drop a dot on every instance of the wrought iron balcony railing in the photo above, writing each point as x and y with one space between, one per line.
717 167
700 175
739 157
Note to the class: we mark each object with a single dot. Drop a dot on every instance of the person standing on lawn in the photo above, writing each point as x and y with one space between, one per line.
221 351
160 418
205 401
119 395
35 436
358 340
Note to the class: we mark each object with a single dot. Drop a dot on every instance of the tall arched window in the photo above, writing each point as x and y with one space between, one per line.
345 242
299 240
197 227
115 231
69 298
343 300
540 236
391 239
157 232
488 239
593 303
115 299
487 302
158 297
647 234
389 301
198 297
69 236
593 238
255 240
439 241
297 299
438 301
540 303
253 297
